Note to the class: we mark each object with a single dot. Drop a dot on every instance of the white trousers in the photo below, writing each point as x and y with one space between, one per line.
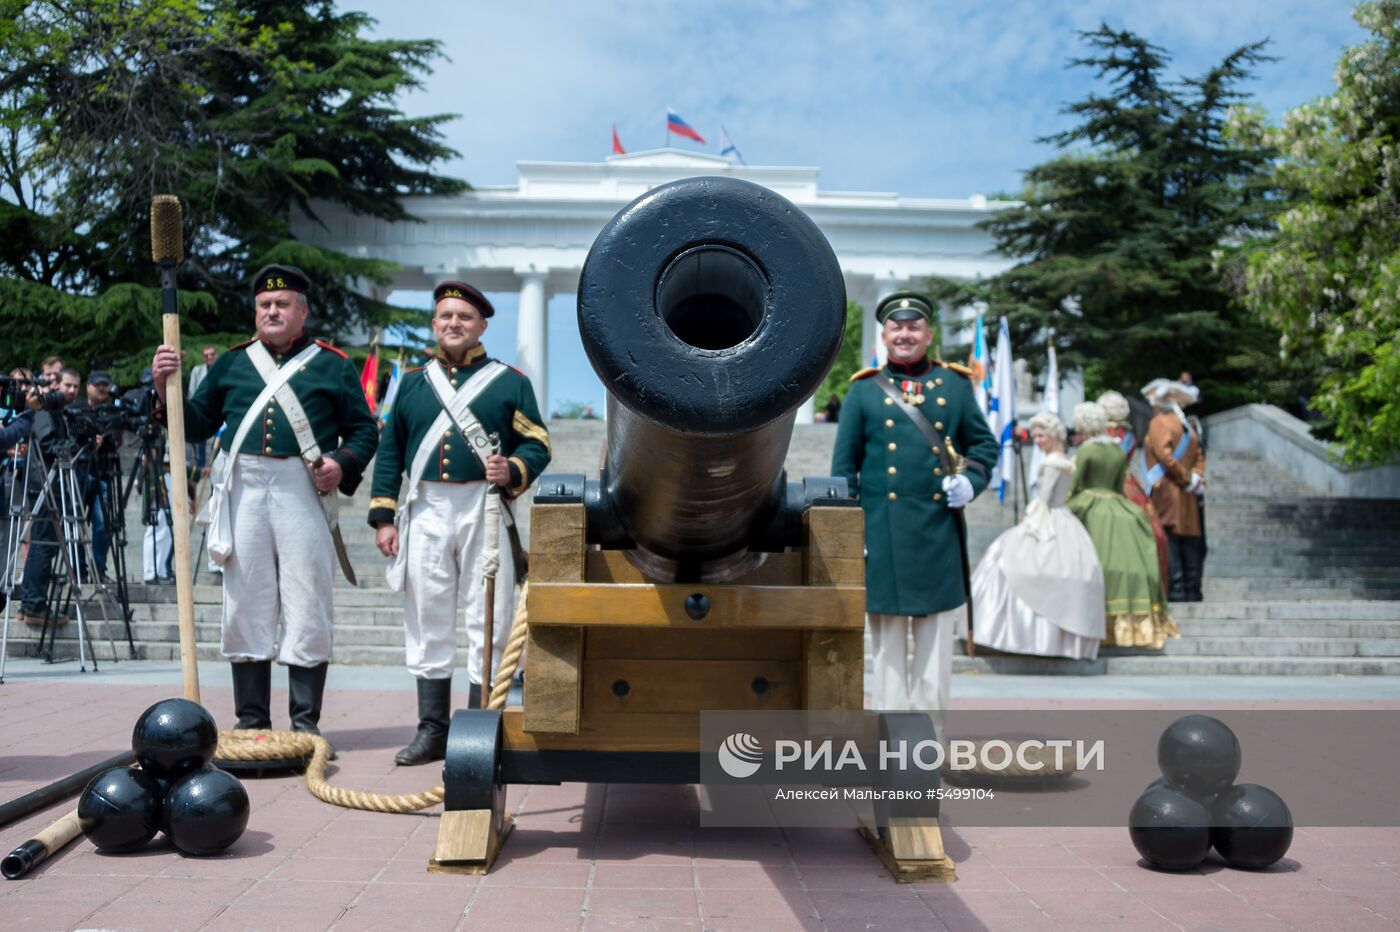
282 566
925 684
442 571
157 545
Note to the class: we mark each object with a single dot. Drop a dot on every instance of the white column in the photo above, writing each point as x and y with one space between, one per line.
532 333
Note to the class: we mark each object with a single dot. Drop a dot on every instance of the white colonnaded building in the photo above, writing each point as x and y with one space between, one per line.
532 237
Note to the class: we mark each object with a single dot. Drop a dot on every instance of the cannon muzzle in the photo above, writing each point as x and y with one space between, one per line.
711 308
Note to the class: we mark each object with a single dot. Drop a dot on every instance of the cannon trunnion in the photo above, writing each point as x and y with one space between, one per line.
690 575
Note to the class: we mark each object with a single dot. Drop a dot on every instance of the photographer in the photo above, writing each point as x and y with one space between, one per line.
49 436
99 421
19 399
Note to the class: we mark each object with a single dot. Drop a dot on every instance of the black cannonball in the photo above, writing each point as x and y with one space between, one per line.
174 737
1205 799
1251 826
1169 828
1199 753
205 811
120 809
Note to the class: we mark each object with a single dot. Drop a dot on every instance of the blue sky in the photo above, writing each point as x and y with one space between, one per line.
930 99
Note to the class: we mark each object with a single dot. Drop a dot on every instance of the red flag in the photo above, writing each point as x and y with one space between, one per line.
369 377
617 143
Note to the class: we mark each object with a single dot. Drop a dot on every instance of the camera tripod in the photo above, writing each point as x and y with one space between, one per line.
60 504
153 481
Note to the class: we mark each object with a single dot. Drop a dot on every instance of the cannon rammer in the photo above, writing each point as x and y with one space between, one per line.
690 574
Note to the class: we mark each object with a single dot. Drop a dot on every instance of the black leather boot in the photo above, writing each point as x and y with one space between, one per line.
1176 563
434 713
305 688
252 693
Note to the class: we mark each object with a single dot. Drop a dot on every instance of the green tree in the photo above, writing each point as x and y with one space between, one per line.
1116 235
848 361
1330 276
250 110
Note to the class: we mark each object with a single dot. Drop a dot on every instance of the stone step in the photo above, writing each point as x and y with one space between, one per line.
1292 646
1205 628
1253 666
1319 610
1167 665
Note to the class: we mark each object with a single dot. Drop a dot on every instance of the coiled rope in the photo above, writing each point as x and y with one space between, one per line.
267 745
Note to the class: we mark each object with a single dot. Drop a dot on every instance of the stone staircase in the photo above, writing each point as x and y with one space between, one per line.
1295 584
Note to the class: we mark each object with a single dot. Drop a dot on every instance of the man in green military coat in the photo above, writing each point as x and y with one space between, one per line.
463 426
297 428
913 569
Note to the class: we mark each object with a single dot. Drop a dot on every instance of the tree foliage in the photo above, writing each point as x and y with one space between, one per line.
249 110
1330 276
848 361
1116 235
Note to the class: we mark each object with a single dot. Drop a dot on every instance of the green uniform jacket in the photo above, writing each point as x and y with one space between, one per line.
912 563
330 393
507 407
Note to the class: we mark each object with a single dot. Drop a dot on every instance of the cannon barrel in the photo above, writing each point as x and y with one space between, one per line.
711 308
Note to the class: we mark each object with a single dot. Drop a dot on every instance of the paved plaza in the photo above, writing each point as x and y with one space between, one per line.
597 857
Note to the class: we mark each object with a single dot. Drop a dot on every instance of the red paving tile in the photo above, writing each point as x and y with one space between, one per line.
596 857
1099 910
643 904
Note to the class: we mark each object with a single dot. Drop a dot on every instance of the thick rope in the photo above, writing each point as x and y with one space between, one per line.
246 745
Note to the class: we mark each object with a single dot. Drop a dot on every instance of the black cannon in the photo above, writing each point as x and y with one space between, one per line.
711 308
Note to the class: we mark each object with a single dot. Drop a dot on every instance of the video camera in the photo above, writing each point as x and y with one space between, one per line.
14 393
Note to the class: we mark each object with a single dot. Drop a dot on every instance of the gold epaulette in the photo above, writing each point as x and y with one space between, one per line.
959 368
863 374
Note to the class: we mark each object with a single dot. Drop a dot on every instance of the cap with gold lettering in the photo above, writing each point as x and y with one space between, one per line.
280 278
904 305
466 293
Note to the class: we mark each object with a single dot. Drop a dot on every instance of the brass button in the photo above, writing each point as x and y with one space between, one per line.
267 449
446 447
934 449
938 496
938 381
269 422
889 401
942 401
454 383
446 461
454 370
937 425
303 368
928 384
447 433
893 496
938 470
269 410
892 470
889 422
892 448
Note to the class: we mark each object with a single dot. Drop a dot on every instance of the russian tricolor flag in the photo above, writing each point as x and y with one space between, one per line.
674 124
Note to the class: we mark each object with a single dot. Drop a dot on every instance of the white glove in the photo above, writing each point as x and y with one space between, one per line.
1198 485
959 491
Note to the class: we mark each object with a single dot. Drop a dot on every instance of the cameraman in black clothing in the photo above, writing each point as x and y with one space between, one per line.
49 437
19 399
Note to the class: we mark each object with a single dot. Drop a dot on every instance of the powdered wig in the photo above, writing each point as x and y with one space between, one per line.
1050 422
1115 406
1090 419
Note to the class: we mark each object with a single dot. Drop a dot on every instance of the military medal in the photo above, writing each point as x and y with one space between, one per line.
913 391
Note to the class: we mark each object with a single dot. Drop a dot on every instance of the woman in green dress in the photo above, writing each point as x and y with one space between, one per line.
1134 604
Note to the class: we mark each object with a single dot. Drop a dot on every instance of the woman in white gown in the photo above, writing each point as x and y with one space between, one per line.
1039 588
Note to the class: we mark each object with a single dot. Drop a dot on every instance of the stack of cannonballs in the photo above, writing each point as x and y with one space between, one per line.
1196 803
201 809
